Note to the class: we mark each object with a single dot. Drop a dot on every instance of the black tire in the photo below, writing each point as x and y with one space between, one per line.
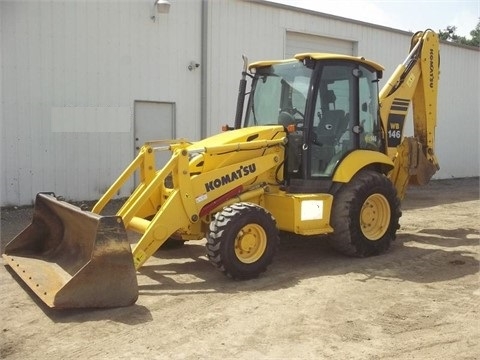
171 244
365 215
242 240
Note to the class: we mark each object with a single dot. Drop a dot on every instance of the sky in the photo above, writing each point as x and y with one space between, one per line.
408 15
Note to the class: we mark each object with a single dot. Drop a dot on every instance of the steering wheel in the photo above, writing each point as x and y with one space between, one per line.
293 111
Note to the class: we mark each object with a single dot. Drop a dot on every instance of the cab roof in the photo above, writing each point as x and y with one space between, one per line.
317 56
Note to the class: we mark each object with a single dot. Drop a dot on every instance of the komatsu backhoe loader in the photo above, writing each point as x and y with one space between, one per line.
318 150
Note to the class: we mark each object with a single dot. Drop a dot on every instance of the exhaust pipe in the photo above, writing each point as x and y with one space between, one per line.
241 94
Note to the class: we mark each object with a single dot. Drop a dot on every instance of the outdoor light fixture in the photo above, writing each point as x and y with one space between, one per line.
160 7
163 6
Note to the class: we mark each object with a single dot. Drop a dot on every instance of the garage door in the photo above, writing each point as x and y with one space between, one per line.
297 43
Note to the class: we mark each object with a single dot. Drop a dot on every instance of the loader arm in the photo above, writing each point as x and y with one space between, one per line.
416 81
202 177
196 196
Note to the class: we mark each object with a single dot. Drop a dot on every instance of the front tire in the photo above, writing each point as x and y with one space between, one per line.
242 240
365 215
172 244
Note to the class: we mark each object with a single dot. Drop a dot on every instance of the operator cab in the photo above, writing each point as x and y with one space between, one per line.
328 105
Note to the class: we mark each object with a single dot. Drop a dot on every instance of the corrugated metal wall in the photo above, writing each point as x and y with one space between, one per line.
458 112
65 60
71 72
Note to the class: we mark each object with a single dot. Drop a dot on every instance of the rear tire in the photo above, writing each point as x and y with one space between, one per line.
242 240
365 215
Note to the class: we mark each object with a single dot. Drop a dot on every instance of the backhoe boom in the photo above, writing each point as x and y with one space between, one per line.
416 81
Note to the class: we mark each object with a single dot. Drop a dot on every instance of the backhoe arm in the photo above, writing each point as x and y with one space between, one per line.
416 81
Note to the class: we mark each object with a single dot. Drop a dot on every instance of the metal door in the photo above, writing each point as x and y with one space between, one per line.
297 43
154 121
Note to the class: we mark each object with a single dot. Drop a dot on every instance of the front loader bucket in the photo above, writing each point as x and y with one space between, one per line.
74 259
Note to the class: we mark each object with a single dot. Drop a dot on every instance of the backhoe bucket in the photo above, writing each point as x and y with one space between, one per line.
74 259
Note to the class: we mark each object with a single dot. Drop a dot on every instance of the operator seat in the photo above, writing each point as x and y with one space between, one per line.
332 125
294 144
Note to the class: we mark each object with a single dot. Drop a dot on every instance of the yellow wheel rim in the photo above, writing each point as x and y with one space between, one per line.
250 243
375 217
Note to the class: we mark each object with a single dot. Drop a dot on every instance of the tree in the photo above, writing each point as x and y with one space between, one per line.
475 34
448 34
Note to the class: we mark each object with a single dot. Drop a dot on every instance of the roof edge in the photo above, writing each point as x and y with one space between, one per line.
271 3
330 16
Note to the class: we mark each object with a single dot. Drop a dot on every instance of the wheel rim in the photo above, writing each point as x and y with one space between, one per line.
250 243
375 217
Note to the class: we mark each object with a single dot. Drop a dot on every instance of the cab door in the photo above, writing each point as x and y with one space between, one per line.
341 117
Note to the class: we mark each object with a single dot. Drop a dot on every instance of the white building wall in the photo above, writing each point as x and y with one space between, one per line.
458 112
88 59
236 28
72 58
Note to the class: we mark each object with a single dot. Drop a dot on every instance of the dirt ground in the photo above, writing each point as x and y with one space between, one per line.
419 301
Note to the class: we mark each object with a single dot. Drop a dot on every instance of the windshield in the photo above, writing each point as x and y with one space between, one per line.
279 94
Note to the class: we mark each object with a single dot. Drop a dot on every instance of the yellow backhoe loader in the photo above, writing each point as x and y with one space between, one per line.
318 150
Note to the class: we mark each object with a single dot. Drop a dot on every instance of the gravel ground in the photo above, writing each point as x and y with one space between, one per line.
418 301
